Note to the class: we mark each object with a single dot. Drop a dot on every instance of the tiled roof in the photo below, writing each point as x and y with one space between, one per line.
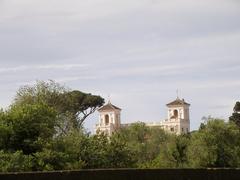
178 102
108 107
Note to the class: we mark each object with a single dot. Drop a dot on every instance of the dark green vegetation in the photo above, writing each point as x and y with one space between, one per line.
43 130
236 114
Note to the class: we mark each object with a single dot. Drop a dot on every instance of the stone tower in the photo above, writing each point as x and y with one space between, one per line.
178 117
109 119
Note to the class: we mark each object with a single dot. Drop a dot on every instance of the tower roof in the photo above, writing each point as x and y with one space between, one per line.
108 107
178 102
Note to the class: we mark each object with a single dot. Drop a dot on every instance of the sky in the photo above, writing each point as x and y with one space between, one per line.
137 52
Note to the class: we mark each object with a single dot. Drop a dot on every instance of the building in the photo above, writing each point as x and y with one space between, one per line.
178 120
109 119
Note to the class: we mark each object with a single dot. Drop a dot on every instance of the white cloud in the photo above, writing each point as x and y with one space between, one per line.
42 67
70 79
149 70
210 85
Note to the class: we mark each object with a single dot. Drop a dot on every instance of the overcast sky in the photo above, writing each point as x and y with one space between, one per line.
137 51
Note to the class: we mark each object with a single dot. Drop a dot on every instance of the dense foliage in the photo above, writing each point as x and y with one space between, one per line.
42 131
236 114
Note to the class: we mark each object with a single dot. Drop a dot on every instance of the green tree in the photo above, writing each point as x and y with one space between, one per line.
144 142
118 153
81 105
32 126
5 130
48 92
15 162
72 107
216 145
51 160
63 153
236 114
173 153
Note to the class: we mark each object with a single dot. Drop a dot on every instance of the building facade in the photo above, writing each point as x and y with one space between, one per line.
109 119
178 120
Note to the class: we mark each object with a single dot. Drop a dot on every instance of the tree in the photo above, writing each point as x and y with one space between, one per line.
5 130
144 142
72 107
173 153
179 151
32 126
63 153
15 162
216 145
51 160
236 114
81 105
48 92
118 153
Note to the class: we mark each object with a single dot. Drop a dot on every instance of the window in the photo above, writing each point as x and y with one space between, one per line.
106 119
175 113
172 129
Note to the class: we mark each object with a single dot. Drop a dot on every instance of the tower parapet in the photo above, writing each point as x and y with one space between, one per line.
109 119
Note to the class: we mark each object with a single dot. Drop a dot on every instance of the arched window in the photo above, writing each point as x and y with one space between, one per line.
106 119
175 113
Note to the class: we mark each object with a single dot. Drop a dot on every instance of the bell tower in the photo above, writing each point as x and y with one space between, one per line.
109 119
178 117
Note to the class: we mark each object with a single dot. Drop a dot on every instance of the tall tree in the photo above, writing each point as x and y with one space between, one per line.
81 104
47 92
236 114
72 107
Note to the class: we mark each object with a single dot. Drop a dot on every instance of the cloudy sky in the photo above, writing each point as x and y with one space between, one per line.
137 51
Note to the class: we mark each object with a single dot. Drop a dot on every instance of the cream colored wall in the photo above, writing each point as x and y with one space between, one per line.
114 121
182 121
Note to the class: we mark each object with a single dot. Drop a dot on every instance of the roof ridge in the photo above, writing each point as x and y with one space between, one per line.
178 101
108 106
